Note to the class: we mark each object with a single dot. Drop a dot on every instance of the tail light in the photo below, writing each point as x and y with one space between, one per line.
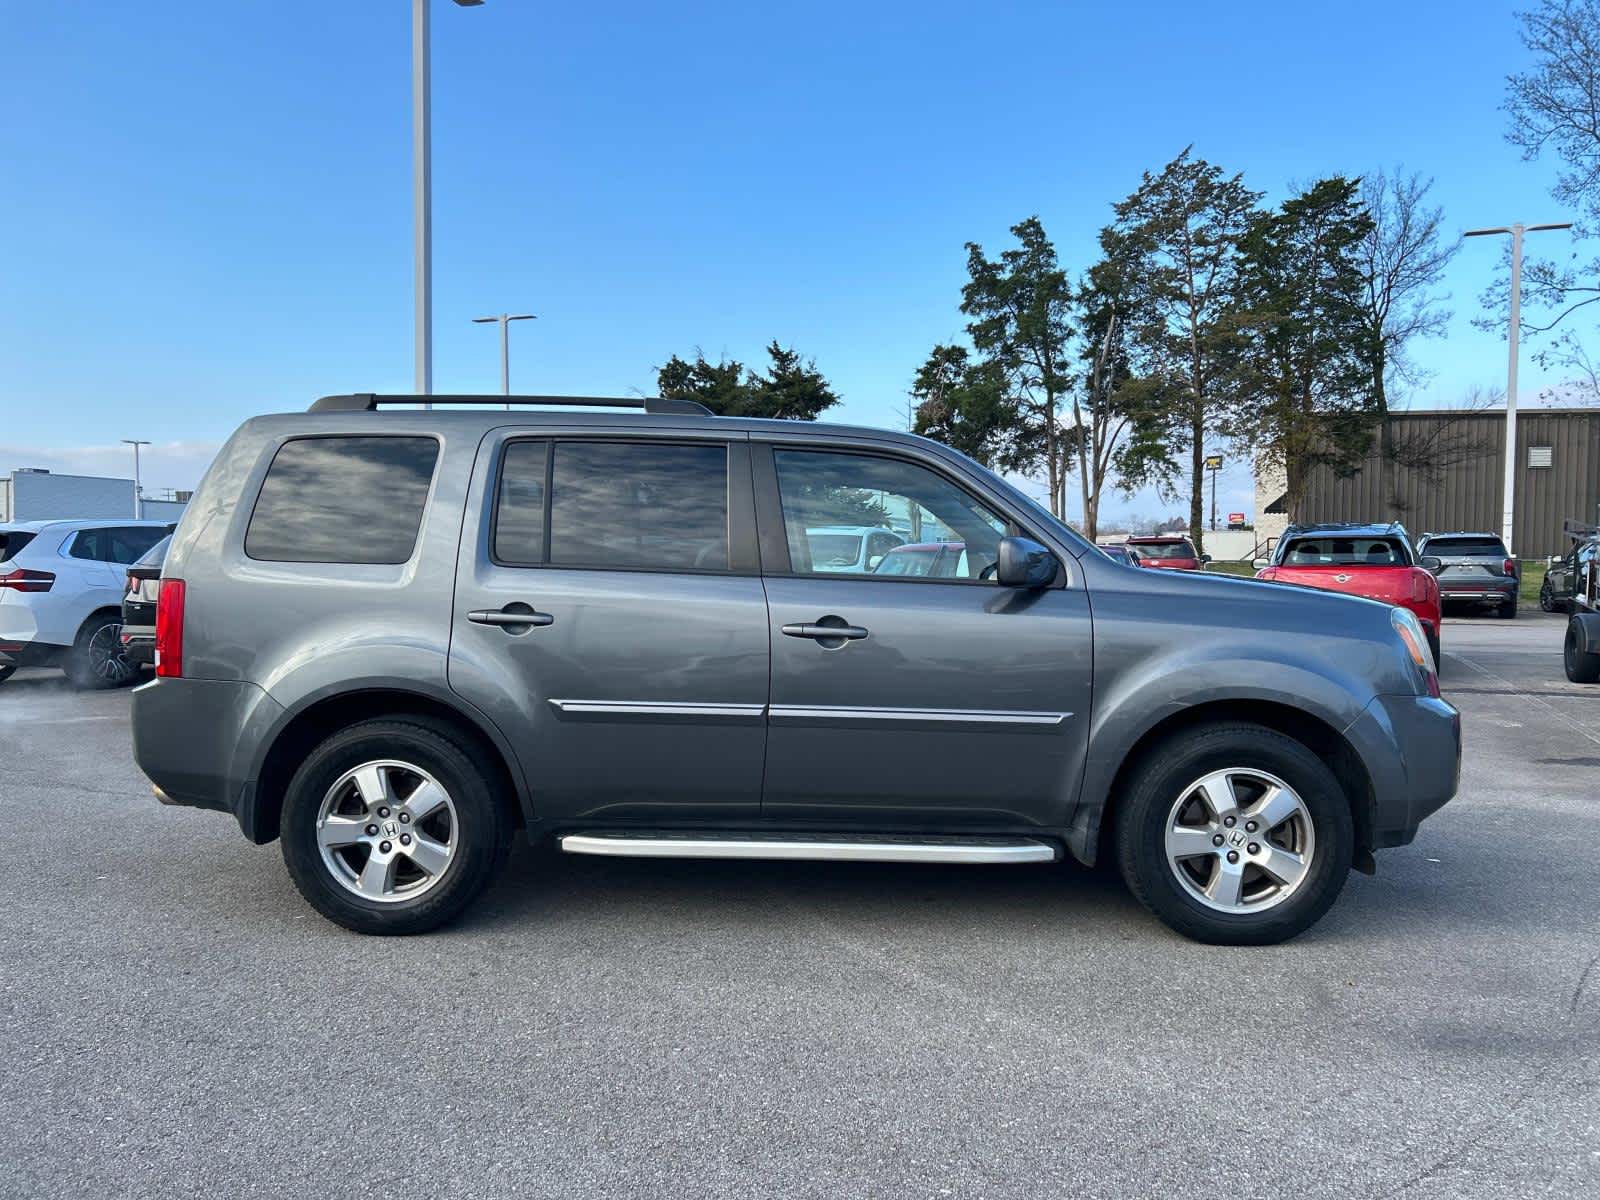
169 628
1509 567
19 580
1423 586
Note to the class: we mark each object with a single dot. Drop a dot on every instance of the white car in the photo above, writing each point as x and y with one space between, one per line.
850 549
61 588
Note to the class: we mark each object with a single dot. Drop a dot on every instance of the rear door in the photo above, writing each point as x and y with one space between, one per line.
609 617
939 702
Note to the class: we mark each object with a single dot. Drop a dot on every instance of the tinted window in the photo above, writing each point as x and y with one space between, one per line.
343 500
156 555
519 513
829 499
630 505
1167 549
11 543
128 546
1346 551
1488 547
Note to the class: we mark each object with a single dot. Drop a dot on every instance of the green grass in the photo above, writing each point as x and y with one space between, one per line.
1532 576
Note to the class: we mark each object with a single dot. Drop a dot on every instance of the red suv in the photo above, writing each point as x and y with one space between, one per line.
1375 561
1174 553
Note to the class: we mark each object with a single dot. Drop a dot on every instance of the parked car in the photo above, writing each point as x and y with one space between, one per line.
1581 649
1563 572
847 549
388 637
139 605
1474 567
1375 561
1117 552
61 586
1173 553
925 560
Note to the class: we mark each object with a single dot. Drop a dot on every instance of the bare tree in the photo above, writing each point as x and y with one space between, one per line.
1555 107
1404 260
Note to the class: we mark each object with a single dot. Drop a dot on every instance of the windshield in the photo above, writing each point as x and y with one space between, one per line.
1346 552
1166 549
834 549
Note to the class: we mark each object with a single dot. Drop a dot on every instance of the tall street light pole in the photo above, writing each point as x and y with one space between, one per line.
1508 514
422 191
138 484
504 321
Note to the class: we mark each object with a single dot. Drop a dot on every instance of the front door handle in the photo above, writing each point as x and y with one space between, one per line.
825 631
514 618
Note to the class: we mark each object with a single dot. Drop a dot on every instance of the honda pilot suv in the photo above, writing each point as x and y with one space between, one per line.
392 638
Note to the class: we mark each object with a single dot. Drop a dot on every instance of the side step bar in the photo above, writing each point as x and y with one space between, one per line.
832 848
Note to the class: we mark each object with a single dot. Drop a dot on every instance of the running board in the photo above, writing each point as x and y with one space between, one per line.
833 848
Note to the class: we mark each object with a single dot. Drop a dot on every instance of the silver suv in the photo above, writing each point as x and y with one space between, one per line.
391 637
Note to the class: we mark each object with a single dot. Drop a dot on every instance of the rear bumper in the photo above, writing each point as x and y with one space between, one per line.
194 739
1499 590
15 653
1412 748
139 645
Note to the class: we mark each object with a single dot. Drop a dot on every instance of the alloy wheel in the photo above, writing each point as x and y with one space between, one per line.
108 658
387 831
1239 840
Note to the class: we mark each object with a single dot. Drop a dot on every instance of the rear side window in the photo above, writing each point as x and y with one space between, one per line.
156 555
114 545
12 542
1491 547
342 500
620 505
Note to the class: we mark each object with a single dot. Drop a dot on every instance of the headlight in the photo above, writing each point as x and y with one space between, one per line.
1416 643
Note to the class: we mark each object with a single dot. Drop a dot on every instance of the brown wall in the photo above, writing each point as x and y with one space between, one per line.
1443 471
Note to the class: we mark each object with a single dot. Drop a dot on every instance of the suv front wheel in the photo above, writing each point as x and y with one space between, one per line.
389 827
1235 834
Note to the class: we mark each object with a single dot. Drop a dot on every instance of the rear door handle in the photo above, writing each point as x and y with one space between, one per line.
515 617
820 632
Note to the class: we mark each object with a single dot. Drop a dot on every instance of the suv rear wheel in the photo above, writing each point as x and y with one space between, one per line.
1235 834
98 659
389 827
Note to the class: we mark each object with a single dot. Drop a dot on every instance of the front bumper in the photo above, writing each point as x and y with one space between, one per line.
1411 746
195 739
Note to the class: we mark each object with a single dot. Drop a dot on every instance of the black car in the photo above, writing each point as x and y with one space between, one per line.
139 605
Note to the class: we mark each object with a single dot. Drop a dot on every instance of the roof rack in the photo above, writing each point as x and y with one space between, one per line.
661 405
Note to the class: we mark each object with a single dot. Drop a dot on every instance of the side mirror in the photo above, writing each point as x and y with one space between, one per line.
1553 561
872 562
1205 558
1024 563
1431 562
1261 564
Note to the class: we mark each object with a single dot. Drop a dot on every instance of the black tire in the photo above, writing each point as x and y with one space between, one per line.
6 673
481 828
1547 597
1438 660
1583 666
1159 782
97 661
1508 610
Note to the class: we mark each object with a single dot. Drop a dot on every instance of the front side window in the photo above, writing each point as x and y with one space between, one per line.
343 500
839 509
638 506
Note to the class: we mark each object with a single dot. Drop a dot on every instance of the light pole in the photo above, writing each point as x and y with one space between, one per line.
138 484
504 321
422 191
1516 231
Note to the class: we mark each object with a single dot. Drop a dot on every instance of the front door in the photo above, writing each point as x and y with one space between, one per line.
916 691
609 617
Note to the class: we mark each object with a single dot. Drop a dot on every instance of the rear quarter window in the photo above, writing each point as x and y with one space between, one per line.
342 500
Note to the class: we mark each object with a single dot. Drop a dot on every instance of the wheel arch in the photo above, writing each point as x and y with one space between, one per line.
1088 837
319 717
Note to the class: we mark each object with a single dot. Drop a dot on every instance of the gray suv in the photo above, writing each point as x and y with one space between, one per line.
391 637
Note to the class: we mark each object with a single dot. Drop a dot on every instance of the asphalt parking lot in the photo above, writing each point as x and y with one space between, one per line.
178 1022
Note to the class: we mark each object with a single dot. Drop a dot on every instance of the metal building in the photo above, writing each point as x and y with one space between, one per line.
1443 470
34 494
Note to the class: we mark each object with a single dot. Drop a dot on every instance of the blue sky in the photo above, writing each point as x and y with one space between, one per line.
207 207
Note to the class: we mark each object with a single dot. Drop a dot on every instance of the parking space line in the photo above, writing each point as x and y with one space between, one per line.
1534 696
